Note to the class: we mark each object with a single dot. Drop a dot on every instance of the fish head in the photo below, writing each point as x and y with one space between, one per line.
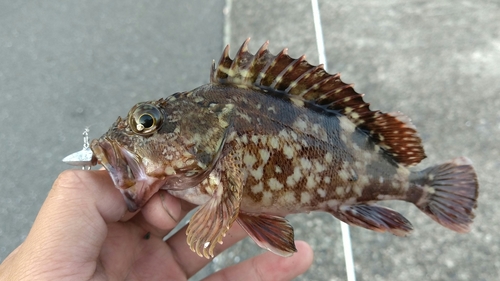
164 144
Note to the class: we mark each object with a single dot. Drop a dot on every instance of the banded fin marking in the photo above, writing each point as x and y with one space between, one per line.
297 80
284 73
394 133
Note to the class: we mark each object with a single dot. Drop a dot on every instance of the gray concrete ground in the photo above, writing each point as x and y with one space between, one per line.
67 65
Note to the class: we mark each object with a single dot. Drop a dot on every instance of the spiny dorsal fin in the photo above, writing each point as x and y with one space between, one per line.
321 91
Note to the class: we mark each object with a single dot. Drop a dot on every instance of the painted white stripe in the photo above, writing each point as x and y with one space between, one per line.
227 23
319 33
346 237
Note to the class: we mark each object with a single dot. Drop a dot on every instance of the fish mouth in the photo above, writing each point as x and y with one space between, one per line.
126 171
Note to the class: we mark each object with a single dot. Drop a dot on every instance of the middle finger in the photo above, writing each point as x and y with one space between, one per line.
161 214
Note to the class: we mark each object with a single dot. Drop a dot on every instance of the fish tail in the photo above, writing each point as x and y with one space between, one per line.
447 193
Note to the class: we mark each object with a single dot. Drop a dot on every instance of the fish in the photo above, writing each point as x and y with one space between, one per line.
271 135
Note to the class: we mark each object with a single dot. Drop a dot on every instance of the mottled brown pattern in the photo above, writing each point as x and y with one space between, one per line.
272 135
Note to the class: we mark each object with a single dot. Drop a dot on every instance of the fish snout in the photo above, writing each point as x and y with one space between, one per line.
127 172
109 155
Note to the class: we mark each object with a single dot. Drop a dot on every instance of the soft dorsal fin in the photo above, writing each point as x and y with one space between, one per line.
319 90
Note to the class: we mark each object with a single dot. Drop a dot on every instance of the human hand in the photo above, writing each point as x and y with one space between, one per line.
84 232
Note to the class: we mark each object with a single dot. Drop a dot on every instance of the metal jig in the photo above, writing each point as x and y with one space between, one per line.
83 157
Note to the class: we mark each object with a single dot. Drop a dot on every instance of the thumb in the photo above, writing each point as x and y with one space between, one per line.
81 192
72 223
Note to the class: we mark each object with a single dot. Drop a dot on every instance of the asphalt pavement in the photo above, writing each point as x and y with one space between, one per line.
65 65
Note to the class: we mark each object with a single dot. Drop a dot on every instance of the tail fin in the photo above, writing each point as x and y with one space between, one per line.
449 193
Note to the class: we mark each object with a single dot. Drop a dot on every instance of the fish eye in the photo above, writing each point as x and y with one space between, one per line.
145 119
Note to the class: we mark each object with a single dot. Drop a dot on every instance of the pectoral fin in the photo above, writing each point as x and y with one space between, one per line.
273 233
374 217
212 221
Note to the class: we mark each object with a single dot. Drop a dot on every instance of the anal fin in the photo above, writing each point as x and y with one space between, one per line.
273 233
374 217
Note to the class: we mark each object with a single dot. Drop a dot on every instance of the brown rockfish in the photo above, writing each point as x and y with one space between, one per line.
271 135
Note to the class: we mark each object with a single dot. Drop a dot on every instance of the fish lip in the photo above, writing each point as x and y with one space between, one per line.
125 169
127 172
110 155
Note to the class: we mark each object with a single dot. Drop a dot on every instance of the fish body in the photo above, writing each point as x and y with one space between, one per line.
270 136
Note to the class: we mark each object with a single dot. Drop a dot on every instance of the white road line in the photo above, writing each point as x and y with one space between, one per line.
346 237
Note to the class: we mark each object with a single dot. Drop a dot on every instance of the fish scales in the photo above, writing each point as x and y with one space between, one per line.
270 136
289 154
